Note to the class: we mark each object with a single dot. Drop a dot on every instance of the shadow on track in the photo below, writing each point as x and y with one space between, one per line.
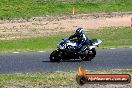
63 61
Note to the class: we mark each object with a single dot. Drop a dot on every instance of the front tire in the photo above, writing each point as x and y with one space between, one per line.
54 56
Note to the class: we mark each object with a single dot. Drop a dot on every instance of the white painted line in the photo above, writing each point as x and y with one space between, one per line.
19 73
41 51
86 70
112 48
16 52
121 69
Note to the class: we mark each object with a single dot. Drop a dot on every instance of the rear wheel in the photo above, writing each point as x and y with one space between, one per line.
93 54
54 56
90 55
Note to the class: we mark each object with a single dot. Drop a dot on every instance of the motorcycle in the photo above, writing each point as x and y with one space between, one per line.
64 52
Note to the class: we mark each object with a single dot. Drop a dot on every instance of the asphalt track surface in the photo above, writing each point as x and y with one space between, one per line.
120 58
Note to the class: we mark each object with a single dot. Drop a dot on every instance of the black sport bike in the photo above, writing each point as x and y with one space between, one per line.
64 52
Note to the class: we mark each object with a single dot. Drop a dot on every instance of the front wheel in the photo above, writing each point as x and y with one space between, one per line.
54 56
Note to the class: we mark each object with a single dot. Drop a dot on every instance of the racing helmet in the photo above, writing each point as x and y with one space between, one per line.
79 31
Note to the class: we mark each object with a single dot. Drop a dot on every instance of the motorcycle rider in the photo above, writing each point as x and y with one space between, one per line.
82 40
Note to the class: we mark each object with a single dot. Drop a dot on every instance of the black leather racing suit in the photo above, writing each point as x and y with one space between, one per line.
82 40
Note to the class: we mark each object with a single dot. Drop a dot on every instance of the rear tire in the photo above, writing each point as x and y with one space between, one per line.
54 56
89 57
94 52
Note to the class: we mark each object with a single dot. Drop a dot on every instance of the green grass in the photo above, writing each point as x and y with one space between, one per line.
48 79
114 36
111 37
42 80
28 8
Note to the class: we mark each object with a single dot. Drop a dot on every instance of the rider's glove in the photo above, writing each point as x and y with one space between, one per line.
65 39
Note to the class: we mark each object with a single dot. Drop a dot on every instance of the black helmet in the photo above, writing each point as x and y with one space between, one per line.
79 31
